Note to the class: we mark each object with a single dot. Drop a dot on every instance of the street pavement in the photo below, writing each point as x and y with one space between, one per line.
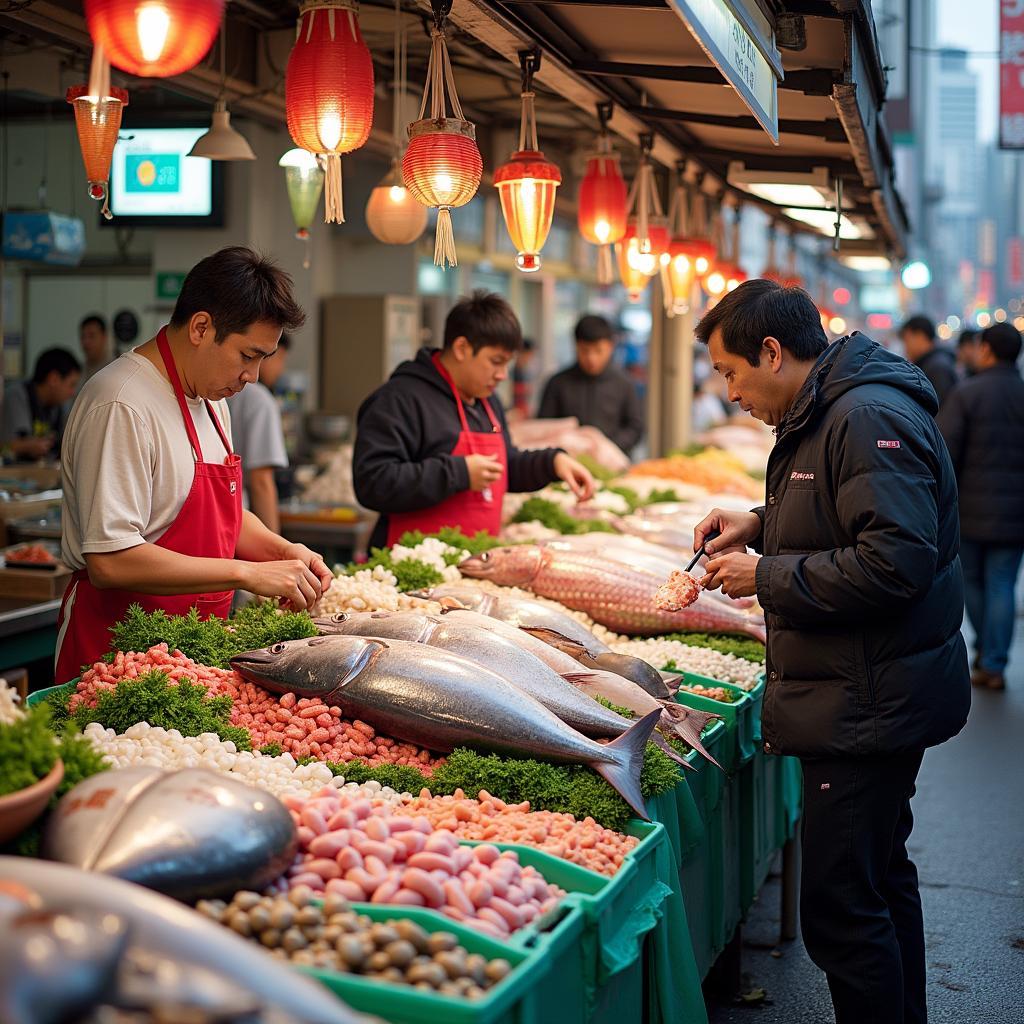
968 843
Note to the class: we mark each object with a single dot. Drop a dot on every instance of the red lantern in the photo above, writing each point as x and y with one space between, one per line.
527 182
328 90
442 165
634 279
602 207
154 38
98 119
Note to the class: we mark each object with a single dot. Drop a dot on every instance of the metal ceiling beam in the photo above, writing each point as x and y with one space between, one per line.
810 83
828 130
633 5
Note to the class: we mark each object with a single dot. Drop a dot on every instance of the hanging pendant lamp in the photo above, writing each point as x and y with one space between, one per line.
527 182
329 90
98 109
154 38
646 239
602 206
442 166
222 142
393 216
304 180
688 255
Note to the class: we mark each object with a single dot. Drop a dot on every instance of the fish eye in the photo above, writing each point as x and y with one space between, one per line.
340 617
277 649
485 556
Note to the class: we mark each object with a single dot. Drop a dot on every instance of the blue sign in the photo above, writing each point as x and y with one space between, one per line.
43 238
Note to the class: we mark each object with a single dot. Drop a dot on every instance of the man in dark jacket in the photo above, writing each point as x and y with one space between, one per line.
983 424
432 446
936 363
863 596
597 393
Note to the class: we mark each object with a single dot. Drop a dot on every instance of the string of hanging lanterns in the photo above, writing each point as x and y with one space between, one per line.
304 180
442 165
646 237
527 182
603 201
328 90
689 253
393 216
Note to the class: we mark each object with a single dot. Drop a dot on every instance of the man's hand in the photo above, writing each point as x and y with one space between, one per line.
736 529
576 475
735 573
291 581
313 562
484 470
32 447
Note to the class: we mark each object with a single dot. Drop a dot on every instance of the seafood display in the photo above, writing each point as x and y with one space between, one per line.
613 594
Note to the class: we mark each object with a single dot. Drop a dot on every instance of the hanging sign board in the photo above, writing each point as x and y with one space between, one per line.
1011 74
739 41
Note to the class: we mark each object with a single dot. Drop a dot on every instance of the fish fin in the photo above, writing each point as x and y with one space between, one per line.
659 741
623 772
673 680
557 640
687 724
423 594
580 679
636 670
451 604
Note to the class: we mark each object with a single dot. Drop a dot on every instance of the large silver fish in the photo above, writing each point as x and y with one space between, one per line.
441 701
532 615
498 652
617 596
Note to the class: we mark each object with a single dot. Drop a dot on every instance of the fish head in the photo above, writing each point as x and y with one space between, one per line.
508 567
313 665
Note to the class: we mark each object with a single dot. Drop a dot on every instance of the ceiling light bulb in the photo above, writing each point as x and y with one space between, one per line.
152 22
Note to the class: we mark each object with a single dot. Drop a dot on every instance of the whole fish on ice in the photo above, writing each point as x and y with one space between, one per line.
441 701
553 625
617 596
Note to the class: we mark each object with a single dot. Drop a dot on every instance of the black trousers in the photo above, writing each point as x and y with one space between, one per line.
860 910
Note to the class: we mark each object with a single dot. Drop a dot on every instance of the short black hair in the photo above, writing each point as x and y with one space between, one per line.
55 360
484 319
922 324
593 328
93 318
1004 340
759 309
967 337
238 288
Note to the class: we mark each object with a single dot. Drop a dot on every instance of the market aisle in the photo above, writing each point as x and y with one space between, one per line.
968 843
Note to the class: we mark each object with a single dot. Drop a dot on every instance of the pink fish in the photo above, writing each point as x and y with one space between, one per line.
616 595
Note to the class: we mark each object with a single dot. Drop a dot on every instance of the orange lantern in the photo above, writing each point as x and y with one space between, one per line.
527 182
689 256
442 165
98 119
645 243
602 206
154 38
328 90
634 279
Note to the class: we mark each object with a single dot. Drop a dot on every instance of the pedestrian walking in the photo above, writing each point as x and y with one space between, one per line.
938 364
983 424
858 574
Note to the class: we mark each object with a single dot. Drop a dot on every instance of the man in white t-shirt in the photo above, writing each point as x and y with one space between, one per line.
152 510
259 437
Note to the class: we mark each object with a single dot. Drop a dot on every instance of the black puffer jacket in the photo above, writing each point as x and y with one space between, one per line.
983 424
860 579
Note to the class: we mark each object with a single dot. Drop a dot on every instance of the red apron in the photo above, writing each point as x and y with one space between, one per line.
470 510
207 526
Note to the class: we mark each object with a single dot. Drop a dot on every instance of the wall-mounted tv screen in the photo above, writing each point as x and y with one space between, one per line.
155 183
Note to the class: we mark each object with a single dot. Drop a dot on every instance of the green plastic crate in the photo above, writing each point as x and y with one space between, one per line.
538 990
757 696
39 695
739 717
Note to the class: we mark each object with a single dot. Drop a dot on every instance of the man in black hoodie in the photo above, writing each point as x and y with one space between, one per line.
432 446
938 364
863 595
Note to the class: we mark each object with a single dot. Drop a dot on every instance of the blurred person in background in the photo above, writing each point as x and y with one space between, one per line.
967 352
983 424
259 437
709 405
36 411
524 377
95 342
938 364
597 393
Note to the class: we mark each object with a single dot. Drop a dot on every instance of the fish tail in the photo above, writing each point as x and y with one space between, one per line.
659 741
638 671
622 772
687 724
